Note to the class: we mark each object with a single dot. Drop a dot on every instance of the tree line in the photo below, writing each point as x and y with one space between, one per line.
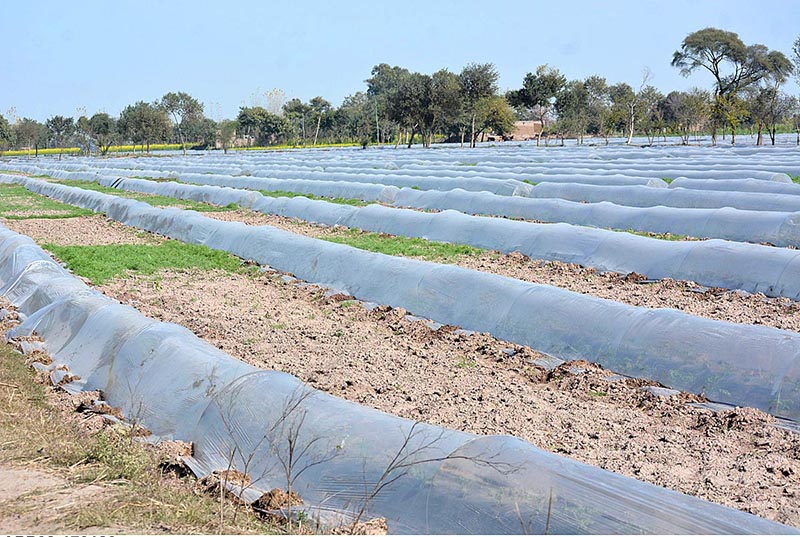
401 106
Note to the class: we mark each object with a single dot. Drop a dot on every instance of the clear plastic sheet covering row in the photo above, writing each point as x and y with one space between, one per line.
773 227
731 265
745 365
240 417
643 196
737 185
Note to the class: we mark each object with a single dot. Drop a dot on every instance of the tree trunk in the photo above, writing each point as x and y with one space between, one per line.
472 132
760 138
316 132
630 132
733 136
462 137
411 138
714 134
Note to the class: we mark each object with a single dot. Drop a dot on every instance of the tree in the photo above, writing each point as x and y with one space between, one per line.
687 112
30 133
101 129
60 129
733 65
651 118
226 133
538 93
446 102
478 81
296 112
203 131
382 87
320 110
6 134
184 109
600 114
144 123
796 59
493 114
572 105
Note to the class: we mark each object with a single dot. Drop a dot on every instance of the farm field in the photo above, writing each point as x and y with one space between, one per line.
632 309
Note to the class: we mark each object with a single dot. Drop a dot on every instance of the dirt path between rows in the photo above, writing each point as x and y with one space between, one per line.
714 303
35 500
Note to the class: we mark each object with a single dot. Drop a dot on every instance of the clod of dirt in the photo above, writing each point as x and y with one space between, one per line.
211 482
375 526
277 499
171 453
738 419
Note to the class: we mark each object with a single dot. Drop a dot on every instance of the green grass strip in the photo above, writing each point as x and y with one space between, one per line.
287 194
18 199
105 262
152 199
404 246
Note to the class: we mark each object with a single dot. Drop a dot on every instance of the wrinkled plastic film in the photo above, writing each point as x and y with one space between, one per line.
745 365
225 408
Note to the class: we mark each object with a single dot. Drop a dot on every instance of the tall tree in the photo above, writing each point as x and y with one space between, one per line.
60 129
183 109
296 112
30 134
572 106
6 134
144 123
733 65
478 81
688 112
493 114
382 88
538 93
320 111
226 134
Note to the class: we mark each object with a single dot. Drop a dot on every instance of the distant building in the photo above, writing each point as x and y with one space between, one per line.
523 130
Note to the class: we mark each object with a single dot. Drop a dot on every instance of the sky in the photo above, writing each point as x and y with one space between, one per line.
72 58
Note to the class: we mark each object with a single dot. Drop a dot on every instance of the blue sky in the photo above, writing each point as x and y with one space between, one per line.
59 56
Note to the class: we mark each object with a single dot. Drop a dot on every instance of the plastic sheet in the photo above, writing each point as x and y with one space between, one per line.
240 417
745 365
773 227
641 196
732 265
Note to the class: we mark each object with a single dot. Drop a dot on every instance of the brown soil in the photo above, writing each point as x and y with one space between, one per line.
714 303
80 231
483 385
37 499
277 499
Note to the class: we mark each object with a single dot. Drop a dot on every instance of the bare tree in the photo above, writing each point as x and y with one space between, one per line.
420 447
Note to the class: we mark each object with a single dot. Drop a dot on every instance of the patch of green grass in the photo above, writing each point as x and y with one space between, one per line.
104 262
287 194
465 363
529 182
19 203
404 246
152 199
667 180
660 236
467 163
795 178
